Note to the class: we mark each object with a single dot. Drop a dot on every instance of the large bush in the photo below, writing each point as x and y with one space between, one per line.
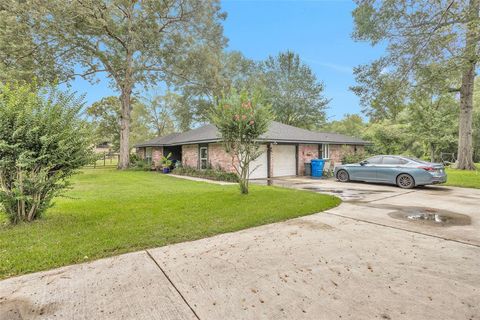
43 140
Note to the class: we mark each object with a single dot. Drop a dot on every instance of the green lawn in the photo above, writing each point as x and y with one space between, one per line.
109 212
462 178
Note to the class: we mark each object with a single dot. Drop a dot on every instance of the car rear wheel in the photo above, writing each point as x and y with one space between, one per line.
405 181
342 176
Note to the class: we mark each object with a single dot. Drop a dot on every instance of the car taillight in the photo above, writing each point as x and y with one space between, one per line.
427 168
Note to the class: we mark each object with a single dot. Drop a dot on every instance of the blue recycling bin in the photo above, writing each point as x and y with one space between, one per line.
317 167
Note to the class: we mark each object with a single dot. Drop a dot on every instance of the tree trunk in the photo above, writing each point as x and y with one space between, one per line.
125 129
465 131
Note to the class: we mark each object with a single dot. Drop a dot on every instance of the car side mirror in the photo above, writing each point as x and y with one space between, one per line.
364 162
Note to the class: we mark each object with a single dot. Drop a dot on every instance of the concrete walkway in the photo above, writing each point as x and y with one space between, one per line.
352 262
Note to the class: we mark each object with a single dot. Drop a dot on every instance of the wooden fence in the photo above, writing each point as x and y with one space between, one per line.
105 160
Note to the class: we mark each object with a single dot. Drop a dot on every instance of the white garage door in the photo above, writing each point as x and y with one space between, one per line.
284 160
258 167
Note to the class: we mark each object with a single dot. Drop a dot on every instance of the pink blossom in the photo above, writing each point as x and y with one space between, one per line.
251 122
237 117
244 117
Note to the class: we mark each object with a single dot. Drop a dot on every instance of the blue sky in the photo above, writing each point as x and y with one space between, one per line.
318 30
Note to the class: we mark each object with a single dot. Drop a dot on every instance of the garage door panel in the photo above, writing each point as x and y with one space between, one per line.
284 160
259 167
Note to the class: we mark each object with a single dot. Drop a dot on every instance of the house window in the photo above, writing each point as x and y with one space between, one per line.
148 155
203 157
324 151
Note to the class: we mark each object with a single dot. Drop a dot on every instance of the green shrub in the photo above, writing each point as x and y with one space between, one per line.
212 174
43 141
140 165
352 157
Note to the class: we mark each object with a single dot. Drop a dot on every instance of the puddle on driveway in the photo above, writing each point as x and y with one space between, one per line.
429 216
347 194
323 190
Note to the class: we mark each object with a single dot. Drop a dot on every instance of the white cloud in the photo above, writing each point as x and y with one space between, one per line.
333 66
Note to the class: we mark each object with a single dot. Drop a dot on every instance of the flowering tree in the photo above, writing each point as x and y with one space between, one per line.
241 119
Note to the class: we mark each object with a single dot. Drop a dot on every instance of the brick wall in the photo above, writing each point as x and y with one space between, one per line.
218 157
190 155
306 152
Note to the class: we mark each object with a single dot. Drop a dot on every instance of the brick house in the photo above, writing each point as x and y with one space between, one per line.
285 148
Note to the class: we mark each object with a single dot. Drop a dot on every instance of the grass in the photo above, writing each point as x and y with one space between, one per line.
109 212
463 178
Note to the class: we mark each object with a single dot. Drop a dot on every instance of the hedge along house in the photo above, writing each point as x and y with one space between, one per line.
285 149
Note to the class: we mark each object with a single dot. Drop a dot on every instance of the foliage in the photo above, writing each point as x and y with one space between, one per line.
209 173
294 92
166 161
158 113
352 157
136 43
241 118
382 95
476 135
351 125
141 165
434 123
476 124
42 143
429 44
24 57
130 210
215 74
105 116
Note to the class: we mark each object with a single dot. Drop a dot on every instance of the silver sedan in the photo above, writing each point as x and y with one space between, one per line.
405 172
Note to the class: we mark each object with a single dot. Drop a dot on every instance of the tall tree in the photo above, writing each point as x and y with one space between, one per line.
135 42
293 91
419 33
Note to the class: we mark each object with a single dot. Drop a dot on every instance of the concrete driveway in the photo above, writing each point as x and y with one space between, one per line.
361 260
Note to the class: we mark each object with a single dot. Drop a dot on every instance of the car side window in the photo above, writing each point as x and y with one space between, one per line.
374 160
393 161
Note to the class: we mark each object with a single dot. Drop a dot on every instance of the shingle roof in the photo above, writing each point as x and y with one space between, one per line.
277 132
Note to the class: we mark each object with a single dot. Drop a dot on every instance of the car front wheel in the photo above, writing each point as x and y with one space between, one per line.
405 181
342 176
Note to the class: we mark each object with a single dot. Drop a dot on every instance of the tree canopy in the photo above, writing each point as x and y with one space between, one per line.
293 90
